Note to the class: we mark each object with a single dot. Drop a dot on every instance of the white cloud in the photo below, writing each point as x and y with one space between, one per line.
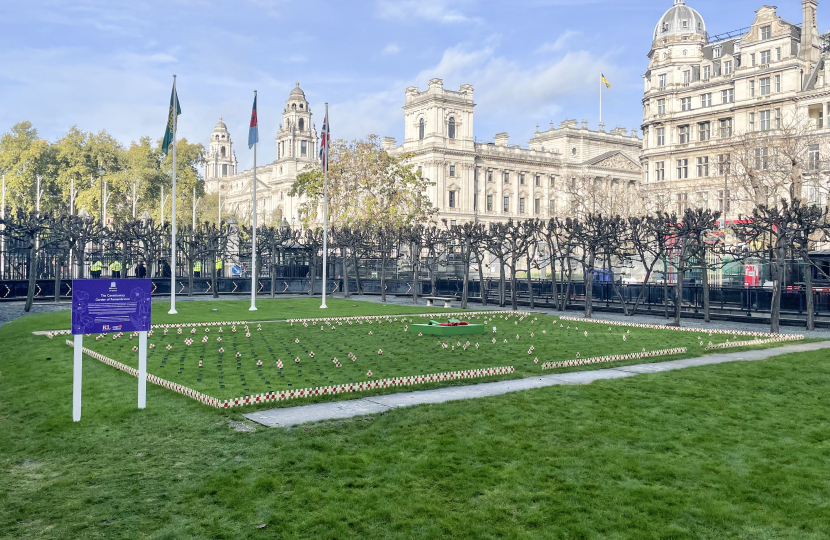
391 49
444 11
560 44
296 58
374 113
530 93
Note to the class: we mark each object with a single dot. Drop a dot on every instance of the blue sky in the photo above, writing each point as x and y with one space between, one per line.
108 64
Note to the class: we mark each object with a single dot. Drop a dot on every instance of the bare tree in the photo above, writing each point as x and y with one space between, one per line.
561 247
33 230
386 239
500 248
312 241
435 245
214 243
414 238
590 236
463 239
645 236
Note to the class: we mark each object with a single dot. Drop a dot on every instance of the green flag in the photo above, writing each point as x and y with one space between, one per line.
168 133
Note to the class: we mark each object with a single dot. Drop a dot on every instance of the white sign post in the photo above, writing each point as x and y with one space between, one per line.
110 306
76 377
142 370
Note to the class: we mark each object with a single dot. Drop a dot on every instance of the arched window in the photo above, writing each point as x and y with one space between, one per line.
451 130
294 106
223 151
301 105
421 129
302 122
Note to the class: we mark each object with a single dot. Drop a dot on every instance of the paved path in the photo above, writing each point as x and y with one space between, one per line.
291 416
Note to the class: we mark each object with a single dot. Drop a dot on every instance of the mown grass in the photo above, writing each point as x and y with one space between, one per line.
278 356
730 451
267 310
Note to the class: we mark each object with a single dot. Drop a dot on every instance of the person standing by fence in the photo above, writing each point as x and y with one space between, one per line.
95 269
115 270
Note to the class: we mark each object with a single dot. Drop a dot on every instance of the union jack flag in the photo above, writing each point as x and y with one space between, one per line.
324 145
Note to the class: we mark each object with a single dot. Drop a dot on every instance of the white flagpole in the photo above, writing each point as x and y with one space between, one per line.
325 209
253 226
173 216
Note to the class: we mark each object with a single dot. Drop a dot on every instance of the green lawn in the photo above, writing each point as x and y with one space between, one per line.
357 346
729 451
267 310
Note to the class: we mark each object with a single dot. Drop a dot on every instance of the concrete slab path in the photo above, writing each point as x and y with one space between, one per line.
291 416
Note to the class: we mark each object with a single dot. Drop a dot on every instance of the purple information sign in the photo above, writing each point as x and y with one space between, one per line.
111 305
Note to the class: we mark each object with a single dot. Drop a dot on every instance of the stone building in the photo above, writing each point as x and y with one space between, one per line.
296 146
484 181
702 91
495 181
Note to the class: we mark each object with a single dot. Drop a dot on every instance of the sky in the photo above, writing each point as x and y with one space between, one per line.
108 64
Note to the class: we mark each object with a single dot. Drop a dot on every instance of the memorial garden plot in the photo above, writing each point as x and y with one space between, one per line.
227 364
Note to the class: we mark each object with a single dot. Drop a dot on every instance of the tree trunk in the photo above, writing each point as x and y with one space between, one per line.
530 280
644 288
704 276
357 273
57 277
589 286
554 282
312 272
617 290
665 287
273 273
344 256
561 294
566 298
32 272
514 300
481 283
383 276
465 288
808 290
678 287
189 277
775 308
433 278
465 260
79 260
214 283
502 284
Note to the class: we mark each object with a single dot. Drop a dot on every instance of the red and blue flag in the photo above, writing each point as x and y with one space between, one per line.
253 131
324 145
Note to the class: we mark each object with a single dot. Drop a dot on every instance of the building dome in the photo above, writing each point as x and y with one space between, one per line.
220 125
680 19
297 92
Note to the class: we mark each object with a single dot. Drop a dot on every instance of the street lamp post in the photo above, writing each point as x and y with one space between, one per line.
195 203
135 198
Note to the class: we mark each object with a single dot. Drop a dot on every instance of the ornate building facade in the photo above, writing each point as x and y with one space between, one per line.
296 146
702 91
473 180
498 181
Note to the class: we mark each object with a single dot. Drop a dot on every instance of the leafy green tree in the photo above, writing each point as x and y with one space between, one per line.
24 157
365 185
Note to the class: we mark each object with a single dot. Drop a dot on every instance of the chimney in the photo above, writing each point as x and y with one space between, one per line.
501 139
389 143
809 32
